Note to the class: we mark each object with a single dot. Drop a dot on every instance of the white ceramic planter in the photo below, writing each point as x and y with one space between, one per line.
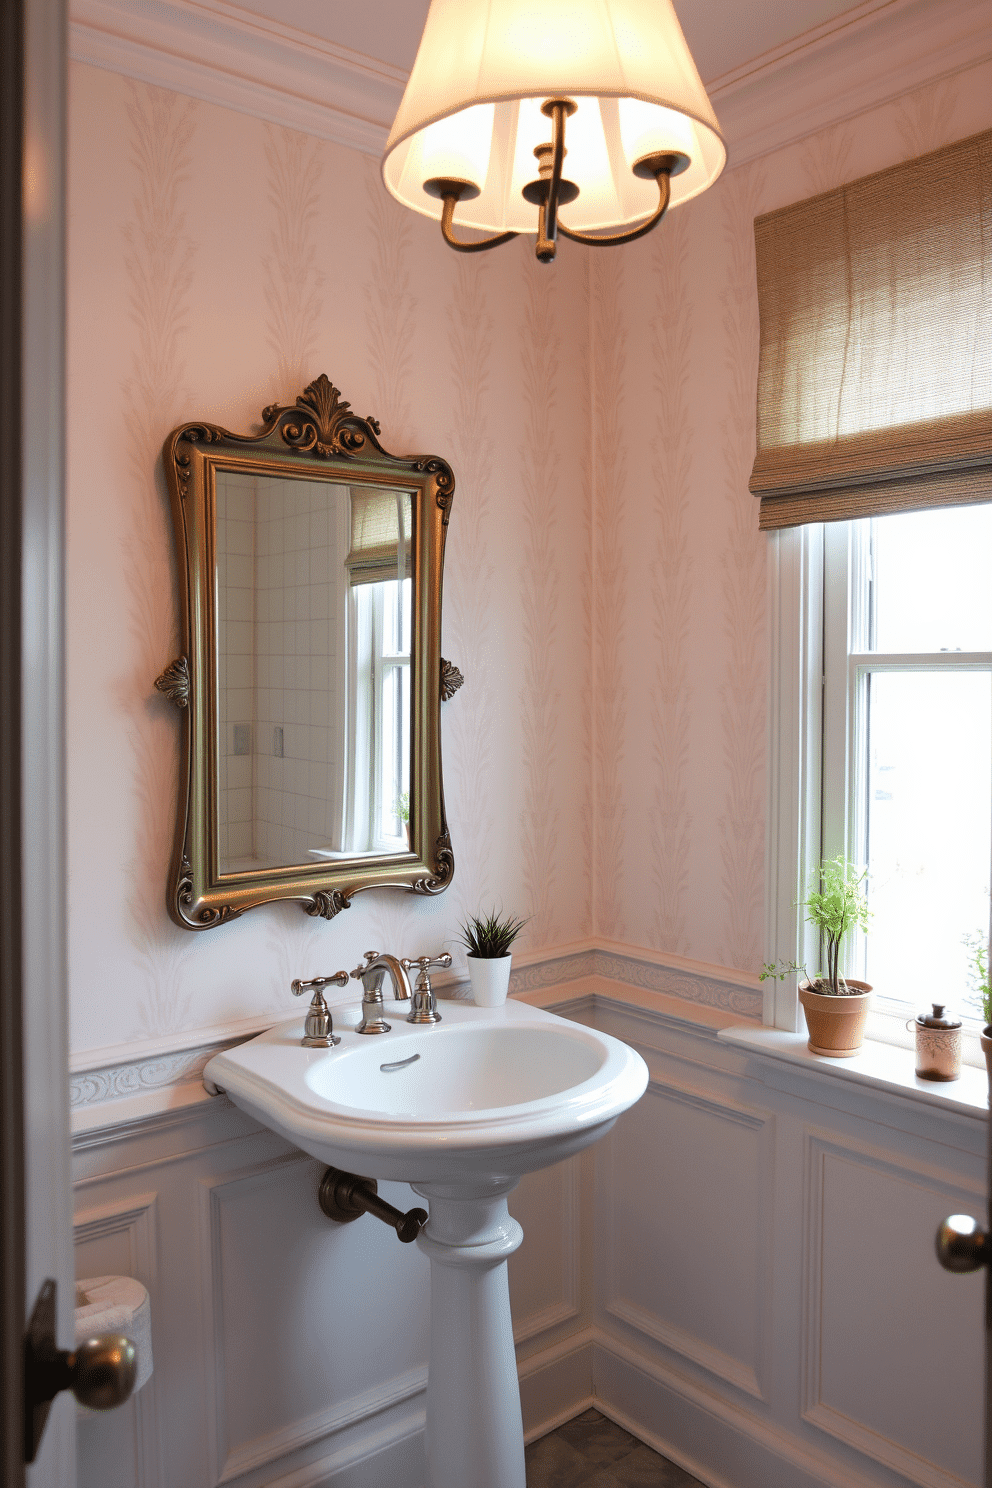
490 979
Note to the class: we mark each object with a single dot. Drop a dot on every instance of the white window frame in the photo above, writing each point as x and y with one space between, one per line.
385 664
794 763
813 671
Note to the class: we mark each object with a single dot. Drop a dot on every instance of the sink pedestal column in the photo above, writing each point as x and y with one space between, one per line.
474 1435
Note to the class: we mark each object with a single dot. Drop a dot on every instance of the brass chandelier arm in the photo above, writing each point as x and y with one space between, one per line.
611 240
447 218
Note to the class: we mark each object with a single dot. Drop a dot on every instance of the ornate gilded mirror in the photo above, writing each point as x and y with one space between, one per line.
311 678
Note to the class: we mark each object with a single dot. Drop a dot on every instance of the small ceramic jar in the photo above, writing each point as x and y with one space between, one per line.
938 1045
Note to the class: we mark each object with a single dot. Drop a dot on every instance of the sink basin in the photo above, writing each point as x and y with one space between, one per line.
460 1110
495 1091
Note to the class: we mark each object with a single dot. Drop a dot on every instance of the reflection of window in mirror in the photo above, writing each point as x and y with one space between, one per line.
377 778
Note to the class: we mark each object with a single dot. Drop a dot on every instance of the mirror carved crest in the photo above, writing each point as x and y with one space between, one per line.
310 682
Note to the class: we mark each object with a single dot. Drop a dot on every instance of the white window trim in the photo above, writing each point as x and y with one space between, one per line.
794 762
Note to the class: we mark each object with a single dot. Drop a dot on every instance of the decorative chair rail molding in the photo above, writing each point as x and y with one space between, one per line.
117 1081
223 54
112 1093
713 987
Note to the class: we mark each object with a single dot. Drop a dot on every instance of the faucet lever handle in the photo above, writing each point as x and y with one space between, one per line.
317 984
426 962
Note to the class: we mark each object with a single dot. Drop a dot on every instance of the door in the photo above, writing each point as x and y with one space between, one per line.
962 1246
34 1145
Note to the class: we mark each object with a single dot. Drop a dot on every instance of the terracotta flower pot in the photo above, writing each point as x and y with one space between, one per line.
986 1039
836 1024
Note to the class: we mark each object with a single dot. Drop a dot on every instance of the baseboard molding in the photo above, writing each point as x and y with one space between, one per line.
723 1444
375 1453
556 1384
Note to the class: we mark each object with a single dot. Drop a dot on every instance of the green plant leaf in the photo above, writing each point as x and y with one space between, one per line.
491 935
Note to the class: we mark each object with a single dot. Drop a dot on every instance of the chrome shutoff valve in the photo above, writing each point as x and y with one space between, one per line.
424 1008
318 1031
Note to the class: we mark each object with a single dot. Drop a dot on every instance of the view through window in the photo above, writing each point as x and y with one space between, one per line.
908 743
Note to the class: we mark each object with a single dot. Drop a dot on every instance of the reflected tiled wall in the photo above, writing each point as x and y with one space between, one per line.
236 666
302 593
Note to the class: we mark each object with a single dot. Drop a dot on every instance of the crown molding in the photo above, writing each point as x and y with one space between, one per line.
220 53
859 60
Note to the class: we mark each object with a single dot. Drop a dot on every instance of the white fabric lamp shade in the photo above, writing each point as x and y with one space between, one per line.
472 109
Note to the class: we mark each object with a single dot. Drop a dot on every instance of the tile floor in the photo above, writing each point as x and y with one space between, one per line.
591 1452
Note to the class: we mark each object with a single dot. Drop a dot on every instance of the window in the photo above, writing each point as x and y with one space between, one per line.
907 742
874 469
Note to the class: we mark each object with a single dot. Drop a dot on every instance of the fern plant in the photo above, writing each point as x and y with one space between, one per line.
490 935
838 906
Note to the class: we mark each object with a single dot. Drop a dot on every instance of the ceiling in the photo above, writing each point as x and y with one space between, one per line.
722 34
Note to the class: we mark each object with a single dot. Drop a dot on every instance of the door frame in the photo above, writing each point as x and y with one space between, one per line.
35 1192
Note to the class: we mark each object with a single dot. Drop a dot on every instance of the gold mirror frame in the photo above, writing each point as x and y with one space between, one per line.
319 434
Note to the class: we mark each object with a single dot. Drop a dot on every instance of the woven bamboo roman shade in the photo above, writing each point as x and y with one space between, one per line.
875 375
375 553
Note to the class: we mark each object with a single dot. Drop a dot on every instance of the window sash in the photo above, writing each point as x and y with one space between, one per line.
847 668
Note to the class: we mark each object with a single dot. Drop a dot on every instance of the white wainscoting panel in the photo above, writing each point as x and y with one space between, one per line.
315 1325
741 1273
686 1200
894 1346
545 1283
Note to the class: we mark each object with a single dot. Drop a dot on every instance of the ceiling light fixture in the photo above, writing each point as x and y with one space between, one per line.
491 80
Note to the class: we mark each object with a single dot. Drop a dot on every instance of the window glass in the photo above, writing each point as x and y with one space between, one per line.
929 829
932 580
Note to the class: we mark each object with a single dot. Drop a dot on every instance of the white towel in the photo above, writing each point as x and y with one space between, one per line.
116 1304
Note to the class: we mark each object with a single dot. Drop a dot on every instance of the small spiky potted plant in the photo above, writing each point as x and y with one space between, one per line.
487 939
836 1007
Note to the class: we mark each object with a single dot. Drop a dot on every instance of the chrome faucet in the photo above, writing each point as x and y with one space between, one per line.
371 977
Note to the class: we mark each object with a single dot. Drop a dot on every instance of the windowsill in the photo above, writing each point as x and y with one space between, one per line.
878 1067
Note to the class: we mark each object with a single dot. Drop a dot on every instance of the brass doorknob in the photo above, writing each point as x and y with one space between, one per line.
102 1371
962 1245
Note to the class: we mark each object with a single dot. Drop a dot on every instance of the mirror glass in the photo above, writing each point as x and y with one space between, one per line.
314 639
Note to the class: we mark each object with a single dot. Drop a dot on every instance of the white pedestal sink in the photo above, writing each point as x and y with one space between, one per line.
460 1110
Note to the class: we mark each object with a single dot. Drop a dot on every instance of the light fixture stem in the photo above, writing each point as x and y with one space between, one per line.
611 240
547 228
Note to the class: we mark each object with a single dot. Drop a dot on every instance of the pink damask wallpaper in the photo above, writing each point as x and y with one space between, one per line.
604 584
679 655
